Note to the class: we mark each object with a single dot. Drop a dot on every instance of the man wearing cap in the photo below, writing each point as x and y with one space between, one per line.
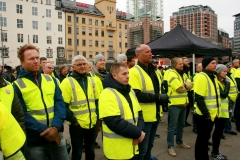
122 58
235 65
98 73
207 99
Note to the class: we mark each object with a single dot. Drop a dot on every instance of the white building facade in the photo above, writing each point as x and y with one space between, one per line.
35 22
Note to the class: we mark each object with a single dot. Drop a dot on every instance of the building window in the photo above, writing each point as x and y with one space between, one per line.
77 42
59 15
48 1
90 32
102 23
70 54
120 25
60 40
49 53
83 21
120 34
59 28
20 37
96 22
3 20
4 38
83 31
90 43
110 34
125 45
83 42
19 8
48 26
77 30
69 18
48 12
120 45
76 19
34 11
96 53
84 53
69 30
90 54
125 35
35 1
35 38
69 41
49 39
96 43
96 32
110 44
19 23
102 44
103 53
2 6
35 24
102 33
90 21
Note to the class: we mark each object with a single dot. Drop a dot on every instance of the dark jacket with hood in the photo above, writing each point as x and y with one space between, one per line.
83 82
33 127
6 77
116 123
16 108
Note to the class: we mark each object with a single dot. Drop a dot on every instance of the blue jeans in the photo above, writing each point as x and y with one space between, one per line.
145 147
51 150
78 134
177 121
228 125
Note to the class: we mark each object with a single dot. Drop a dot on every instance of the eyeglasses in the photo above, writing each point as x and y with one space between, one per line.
83 64
50 68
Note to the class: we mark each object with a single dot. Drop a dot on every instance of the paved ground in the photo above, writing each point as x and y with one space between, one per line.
229 147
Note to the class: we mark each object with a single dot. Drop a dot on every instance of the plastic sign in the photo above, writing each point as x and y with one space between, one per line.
82 5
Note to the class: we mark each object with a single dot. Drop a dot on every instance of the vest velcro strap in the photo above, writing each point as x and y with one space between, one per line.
41 111
112 135
178 96
48 78
224 110
84 111
21 83
211 106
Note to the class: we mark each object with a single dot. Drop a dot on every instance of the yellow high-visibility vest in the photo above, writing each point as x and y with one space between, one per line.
12 136
39 101
223 110
112 103
233 92
7 95
82 106
140 80
204 86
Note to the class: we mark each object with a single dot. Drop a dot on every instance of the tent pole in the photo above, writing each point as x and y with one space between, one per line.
231 59
193 60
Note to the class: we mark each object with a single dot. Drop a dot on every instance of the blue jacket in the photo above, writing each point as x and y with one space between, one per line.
33 127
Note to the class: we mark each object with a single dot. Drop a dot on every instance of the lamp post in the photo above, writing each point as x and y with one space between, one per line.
2 43
121 41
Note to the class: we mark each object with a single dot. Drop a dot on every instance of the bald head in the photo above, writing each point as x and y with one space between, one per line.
48 68
199 67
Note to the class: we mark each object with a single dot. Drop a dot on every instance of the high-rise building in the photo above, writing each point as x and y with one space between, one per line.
100 29
200 20
35 22
145 21
237 33
223 38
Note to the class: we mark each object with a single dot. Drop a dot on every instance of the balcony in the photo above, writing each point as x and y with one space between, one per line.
110 28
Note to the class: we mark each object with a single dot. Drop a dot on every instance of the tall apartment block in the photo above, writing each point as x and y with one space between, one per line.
237 33
145 21
200 20
223 38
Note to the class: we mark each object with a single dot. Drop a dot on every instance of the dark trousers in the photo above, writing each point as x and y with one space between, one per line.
204 127
78 134
217 134
191 102
237 117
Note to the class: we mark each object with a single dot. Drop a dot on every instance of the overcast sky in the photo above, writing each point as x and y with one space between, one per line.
225 9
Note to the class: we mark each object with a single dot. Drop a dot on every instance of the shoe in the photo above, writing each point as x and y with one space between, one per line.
209 143
157 136
154 158
223 137
172 152
161 121
97 145
183 145
195 130
222 155
232 132
217 157
188 124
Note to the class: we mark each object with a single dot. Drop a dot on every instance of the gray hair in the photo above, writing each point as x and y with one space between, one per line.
138 49
78 57
175 60
235 60
89 62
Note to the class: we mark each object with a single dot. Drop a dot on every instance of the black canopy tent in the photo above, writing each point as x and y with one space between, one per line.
180 42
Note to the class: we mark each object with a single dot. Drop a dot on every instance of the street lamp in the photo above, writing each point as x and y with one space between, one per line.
121 40
2 43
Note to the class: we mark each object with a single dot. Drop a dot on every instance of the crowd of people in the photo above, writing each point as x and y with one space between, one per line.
126 104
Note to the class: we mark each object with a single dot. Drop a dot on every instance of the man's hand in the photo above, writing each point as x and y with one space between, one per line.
135 142
75 124
163 98
51 135
140 139
188 85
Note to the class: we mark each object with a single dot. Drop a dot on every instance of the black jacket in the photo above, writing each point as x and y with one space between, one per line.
116 123
6 77
200 99
16 108
61 77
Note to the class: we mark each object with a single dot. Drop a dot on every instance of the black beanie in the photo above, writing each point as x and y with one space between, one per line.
206 60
